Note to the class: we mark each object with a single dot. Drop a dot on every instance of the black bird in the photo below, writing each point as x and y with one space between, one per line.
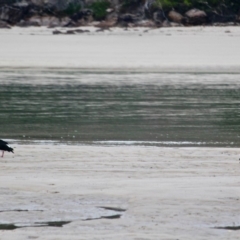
4 147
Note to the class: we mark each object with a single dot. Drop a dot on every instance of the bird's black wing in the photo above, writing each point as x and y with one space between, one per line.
3 142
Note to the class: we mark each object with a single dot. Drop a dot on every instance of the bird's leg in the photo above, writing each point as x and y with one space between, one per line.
2 153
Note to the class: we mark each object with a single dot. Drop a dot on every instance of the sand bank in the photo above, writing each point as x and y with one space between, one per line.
196 49
154 192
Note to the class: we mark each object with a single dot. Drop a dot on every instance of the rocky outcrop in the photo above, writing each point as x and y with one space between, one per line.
73 13
11 14
196 16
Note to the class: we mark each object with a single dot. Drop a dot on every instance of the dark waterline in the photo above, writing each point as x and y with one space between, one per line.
148 109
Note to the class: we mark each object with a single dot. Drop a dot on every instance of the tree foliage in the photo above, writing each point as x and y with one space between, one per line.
99 9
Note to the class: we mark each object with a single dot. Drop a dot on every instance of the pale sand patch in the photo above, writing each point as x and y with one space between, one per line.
196 49
168 193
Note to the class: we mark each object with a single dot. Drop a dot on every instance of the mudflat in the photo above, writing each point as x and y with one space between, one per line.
119 192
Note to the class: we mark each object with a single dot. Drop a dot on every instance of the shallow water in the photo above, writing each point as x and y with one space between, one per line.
120 108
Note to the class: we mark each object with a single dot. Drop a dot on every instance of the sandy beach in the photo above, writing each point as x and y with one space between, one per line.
56 191
157 193
196 49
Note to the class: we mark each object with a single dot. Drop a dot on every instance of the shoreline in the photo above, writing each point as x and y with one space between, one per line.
137 70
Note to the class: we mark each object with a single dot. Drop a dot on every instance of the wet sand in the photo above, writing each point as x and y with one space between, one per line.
120 192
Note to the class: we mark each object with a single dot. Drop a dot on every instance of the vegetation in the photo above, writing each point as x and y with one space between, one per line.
232 6
128 5
72 9
99 9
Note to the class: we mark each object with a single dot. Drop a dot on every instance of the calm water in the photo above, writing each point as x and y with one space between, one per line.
116 108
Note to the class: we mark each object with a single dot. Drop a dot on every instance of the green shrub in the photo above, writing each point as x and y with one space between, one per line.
167 5
99 9
72 8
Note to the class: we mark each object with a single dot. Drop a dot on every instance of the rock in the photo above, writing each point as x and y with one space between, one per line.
56 32
11 14
82 31
4 24
70 32
175 17
196 16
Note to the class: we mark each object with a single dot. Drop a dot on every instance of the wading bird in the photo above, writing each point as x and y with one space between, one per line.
4 147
